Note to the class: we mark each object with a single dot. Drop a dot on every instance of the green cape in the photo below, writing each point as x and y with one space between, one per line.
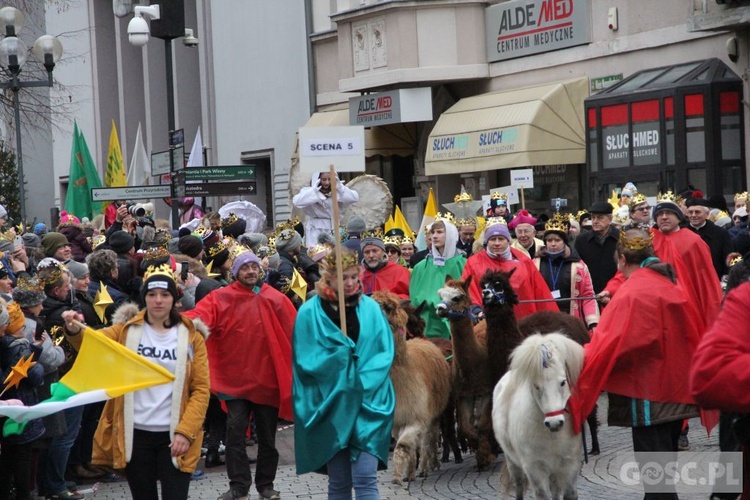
426 280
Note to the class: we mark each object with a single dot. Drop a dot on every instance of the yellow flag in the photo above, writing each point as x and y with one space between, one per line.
299 285
101 301
389 224
430 209
400 222
103 364
115 174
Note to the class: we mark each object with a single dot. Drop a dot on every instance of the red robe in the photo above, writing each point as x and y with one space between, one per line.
250 345
527 281
643 346
392 277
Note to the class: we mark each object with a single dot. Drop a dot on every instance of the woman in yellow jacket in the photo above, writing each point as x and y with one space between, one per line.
149 433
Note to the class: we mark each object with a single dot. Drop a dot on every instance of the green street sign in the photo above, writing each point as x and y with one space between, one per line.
230 173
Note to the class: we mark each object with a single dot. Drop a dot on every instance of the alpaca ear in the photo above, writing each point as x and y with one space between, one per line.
466 284
420 308
511 272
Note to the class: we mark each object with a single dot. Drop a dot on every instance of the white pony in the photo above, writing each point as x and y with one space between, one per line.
528 416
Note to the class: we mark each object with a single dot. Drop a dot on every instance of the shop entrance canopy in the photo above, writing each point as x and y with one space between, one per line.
525 127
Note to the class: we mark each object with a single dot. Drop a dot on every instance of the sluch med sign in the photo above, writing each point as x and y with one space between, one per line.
524 27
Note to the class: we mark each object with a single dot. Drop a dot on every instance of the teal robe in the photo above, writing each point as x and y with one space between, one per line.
426 280
342 392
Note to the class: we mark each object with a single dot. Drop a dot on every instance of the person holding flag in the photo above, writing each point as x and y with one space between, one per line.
156 433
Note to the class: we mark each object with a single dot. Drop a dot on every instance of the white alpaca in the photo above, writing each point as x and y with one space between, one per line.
528 417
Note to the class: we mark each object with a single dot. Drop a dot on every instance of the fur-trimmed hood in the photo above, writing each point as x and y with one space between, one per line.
131 313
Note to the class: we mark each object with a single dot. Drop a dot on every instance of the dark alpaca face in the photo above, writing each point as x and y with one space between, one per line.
497 290
415 324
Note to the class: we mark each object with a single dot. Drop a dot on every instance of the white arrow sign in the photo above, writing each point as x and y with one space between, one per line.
130 193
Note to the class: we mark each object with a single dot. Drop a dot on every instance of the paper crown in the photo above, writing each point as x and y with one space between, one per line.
497 195
51 274
272 245
348 260
156 253
558 222
374 233
164 234
229 220
445 217
740 196
669 196
160 270
29 284
8 235
287 224
202 232
464 196
621 219
720 214
736 260
407 240
216 249
392 240
316 249
581 213
636 242
493 221
636 200
237 249
97 240
466 221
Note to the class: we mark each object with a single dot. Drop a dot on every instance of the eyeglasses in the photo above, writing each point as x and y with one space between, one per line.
391 250
643 209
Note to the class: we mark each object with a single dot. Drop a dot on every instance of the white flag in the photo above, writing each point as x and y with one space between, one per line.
140 166
196 158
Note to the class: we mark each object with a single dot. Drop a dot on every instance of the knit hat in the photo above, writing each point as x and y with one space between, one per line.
51 242
216 253
29 292
4 271
190 245
40 229
31 240
6 246
670 206
242 259
372 240
3 212
65 217
496 229
16 319
288 240
253 240
159 277
740 212
629 190
77 269
356 224
121 242
522 217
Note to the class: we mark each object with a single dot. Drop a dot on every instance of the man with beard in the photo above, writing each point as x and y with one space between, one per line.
379 273
250 360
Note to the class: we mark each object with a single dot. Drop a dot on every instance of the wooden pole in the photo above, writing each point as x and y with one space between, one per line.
337 246
523 200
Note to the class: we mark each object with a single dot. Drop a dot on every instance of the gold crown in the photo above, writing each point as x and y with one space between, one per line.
229 220
740 196
8 235
407 240
29 284
314 250
202 231
287 224
445 217
497 195
557 223
374 233
636 200
392 240
720 214
581 213
736 260
97 240
216 249
466 221
464 196
51 274
237 249
617 218
348 259
636 242
163 233
161 269
272 245
156 253
494 221
669 196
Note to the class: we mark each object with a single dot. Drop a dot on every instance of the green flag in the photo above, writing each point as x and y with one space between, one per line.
83 176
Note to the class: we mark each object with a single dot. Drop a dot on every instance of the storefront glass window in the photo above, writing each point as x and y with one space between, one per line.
697 178
554 181
669 122
695 126
729 103
675 73
732 179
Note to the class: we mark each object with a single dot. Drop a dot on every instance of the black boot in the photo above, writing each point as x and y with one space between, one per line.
213 459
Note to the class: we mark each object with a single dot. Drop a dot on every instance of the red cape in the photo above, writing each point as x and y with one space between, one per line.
392 277
691 259
527 281
250 346
643 346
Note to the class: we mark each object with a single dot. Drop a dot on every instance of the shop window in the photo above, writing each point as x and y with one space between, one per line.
593 141
669 123
729 106
646 146
697 178
616 138
732 179
695 127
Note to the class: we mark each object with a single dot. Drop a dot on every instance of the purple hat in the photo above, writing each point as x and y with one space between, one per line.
497 230
522 217
242 259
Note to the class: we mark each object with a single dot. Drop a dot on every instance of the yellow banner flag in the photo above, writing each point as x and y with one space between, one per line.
400 222
115 174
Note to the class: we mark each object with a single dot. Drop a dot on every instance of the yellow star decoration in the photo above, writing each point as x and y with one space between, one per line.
210 272
19 372
614 200
299 285
101 301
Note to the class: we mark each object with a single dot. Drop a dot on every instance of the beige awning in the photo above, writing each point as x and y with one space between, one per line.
525 127
386 140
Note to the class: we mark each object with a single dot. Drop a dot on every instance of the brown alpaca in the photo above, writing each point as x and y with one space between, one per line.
473 380
421 380
504 333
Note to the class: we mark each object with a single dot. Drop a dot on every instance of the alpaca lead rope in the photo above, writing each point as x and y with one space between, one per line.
561 299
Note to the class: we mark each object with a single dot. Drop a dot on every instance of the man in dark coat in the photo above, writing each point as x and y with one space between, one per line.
597 247
718 240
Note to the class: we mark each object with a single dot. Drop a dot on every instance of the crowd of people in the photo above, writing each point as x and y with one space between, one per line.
249 324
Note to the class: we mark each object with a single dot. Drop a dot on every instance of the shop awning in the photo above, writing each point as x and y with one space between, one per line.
388 140
525 127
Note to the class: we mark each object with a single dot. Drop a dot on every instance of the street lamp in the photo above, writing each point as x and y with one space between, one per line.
167 23
47 50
